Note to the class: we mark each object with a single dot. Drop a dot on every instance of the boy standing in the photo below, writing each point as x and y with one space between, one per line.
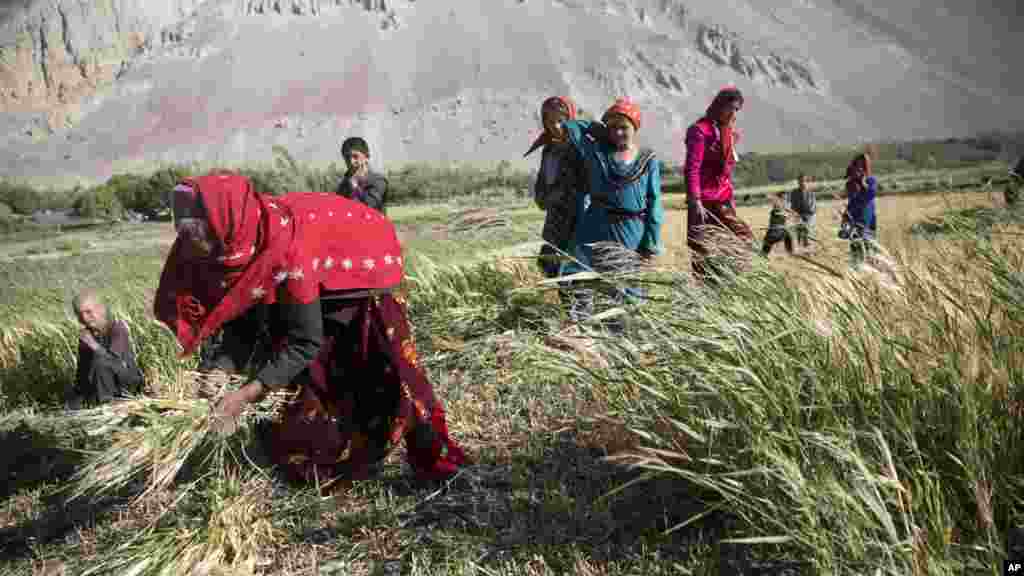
802 201
359 183
777 230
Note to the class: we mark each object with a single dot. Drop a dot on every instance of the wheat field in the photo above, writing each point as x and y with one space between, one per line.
796 422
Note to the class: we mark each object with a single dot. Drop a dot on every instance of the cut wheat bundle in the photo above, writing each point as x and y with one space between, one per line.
157 436
229 530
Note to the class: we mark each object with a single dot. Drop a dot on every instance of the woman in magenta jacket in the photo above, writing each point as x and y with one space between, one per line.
710 158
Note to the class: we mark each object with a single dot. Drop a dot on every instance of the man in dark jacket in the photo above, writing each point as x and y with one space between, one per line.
359 183
106 360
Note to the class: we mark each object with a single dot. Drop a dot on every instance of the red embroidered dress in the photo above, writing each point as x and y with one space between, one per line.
297 247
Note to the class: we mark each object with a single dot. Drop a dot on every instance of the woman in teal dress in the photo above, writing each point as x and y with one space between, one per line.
620 220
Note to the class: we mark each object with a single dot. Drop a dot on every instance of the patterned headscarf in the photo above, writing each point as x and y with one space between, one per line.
304 241
563 104
859 166
727 95
184 203
624 107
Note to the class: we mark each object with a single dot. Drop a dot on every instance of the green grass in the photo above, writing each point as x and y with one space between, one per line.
419 183
874 431
857 423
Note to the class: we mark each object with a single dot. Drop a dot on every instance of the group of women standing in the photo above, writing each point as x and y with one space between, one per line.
602 195
602 192
304 287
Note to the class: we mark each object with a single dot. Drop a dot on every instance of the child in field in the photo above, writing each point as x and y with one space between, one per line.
777 230
802 201
620 229
560 179
1012 191
360 183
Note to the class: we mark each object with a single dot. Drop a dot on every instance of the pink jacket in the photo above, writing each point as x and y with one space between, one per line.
705 177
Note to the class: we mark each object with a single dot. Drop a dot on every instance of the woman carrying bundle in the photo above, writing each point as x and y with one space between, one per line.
710 159
861 188
302 286
621 227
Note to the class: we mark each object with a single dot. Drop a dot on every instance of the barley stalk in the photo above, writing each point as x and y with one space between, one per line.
154 437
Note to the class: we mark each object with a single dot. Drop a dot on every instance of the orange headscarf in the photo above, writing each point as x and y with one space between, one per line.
624 107
566 106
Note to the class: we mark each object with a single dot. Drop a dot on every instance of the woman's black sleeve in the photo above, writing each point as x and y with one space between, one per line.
303 325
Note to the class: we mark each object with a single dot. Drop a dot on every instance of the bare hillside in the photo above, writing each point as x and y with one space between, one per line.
90 88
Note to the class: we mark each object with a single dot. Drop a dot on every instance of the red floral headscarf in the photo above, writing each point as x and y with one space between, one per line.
302 241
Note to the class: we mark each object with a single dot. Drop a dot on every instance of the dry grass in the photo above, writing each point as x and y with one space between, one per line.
157 436
539 410
819 406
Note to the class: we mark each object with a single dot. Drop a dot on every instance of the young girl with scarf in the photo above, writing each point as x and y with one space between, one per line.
621 226
710 159
560 179
302 286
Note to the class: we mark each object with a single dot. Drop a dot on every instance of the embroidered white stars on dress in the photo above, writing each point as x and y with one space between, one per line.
346 264
296 274
388 259
399 260
236 255
312 216
281 276
331 213
329 263
316 263
284 221
368 264
258 292
272 205
349 214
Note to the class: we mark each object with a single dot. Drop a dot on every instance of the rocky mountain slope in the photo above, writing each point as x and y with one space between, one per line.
91 87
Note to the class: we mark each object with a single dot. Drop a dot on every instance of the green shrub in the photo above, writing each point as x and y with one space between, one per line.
99 202
22 198
146 195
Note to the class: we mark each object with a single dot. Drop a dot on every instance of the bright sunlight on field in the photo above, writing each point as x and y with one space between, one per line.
805 419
